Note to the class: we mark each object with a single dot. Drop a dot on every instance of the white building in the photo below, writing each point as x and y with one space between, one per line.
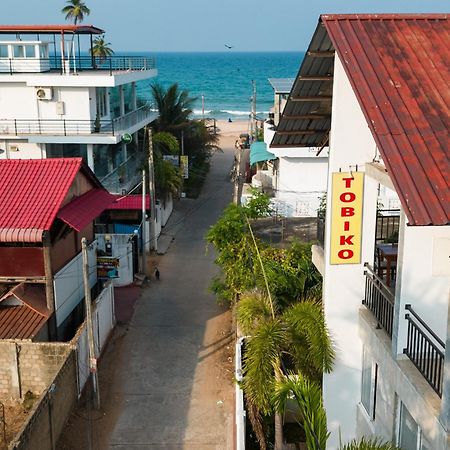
384 81
299 180
56 100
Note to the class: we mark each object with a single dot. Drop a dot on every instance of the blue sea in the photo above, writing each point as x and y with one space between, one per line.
225 79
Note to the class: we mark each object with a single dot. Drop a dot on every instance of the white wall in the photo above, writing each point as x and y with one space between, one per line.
423 278
68 283
20 149
351 143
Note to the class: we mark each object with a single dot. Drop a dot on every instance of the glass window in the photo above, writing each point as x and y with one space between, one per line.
19 51
43 51
66 151
30 51
408 435
114 101
3 51
369 384
128 97
102 100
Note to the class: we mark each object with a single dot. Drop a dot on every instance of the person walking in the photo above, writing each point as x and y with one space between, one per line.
157 273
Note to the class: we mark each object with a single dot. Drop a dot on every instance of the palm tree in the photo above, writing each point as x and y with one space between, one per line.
296 337
101 49
312 416
174 107
75 10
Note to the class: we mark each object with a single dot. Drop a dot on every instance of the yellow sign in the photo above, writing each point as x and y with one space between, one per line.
346 217
184 162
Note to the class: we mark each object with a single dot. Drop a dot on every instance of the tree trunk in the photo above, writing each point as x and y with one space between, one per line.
279 438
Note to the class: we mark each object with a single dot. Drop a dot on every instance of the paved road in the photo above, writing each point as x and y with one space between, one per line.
177 373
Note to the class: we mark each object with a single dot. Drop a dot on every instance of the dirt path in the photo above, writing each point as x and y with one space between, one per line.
167 375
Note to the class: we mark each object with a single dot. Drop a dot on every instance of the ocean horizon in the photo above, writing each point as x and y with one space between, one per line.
224 79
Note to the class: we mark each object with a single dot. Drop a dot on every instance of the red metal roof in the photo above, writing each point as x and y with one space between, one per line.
50 29
31 194
23 312
398 66
133 202
84 209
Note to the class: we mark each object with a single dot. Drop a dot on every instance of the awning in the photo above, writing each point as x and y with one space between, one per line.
258 153
83 210
130 202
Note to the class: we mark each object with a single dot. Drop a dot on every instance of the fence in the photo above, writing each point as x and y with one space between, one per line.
425 350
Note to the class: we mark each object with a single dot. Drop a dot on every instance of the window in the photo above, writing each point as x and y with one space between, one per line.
409 433
3 51
24 51
369 384
102 105
43 51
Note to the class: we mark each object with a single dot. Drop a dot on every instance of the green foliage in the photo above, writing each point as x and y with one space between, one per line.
308 397
369 444
101 49
258 206
75 10
165 143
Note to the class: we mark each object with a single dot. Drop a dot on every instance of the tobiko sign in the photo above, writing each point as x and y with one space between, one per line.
346 217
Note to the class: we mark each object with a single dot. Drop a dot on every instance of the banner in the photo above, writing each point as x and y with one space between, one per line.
107 267
173 159
184 161
346 217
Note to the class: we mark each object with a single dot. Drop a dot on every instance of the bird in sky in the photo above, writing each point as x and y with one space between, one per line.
229 47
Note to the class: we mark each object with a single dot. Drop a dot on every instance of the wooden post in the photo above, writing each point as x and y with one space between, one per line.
49 292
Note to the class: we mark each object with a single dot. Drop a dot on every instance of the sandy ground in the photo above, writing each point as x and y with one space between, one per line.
197 375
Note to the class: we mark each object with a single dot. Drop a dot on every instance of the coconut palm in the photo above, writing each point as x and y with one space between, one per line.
312 416
296 337
101 49
174 107
76 10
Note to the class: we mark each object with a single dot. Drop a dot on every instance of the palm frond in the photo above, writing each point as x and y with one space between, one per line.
252 309
369 444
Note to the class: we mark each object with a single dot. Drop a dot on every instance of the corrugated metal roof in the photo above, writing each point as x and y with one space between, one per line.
132 202
50 29
23 312
84 209
31 194
398 66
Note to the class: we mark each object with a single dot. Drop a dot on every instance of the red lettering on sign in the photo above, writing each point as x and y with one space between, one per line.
347 197
346 225
346 240
346 254
348 182
347 212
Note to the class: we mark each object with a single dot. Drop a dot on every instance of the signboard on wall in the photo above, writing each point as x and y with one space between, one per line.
346 217
173 159
107 267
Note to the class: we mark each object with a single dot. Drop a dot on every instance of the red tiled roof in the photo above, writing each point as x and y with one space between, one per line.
398 66
84 209
23 312
31 194
133 202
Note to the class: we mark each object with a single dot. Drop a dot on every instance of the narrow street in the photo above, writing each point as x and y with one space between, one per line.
176 375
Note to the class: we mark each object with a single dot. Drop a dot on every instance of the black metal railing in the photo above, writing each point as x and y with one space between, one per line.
379 299
388 224
66 127
110 64
425 350
321 229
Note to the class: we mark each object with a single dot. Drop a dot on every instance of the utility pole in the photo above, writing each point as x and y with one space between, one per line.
151 183
182 142
254 123
89 325
237 174
143 231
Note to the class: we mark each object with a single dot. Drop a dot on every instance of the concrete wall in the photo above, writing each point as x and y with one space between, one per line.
351 143
28 366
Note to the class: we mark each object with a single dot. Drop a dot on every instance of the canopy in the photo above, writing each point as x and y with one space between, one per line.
258 153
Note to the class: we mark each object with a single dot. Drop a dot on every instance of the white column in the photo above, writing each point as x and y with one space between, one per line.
90 156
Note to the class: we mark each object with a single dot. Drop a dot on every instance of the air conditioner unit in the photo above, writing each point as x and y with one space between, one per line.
44 93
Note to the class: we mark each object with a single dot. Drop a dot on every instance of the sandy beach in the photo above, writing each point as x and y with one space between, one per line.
230 131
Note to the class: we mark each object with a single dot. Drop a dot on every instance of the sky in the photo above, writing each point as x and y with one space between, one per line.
207 25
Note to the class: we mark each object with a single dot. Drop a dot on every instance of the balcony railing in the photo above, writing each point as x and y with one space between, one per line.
109 64
388 223
425 350
379 299
65 127
124 177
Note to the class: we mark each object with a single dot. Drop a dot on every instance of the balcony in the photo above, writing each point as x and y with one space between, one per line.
65 127
379 299
124 177
111 64
425 350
